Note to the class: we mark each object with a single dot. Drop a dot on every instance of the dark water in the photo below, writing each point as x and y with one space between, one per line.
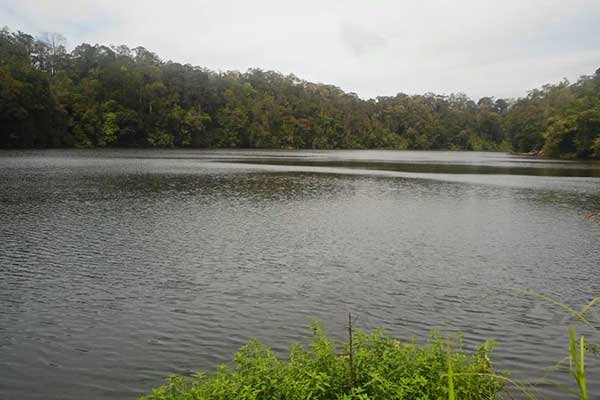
118 268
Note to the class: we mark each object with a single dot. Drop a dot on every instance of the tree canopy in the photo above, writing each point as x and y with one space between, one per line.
103 96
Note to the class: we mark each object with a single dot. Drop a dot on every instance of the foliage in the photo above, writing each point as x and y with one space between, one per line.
96 96
384 369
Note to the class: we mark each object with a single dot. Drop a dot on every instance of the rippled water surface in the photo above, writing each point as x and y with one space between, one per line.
118 268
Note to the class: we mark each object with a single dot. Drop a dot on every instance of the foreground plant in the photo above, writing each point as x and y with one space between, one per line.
381 368
578 346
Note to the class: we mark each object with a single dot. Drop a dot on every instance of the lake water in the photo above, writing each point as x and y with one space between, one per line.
118 268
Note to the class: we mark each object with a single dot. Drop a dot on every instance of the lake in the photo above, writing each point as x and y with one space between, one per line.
120 267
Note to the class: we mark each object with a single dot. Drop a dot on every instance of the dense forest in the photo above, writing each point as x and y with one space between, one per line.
100 96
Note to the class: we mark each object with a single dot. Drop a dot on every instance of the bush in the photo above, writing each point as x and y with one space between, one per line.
384 368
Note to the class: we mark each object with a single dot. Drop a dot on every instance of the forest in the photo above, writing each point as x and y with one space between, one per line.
116 96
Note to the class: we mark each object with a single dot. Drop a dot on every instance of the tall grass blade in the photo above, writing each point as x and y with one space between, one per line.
520 387
451 394
577 314
577 350
591 304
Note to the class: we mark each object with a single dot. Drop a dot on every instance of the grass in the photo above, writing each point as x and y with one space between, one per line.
577 352
578 346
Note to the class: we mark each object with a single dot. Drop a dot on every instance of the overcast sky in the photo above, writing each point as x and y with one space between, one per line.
482 48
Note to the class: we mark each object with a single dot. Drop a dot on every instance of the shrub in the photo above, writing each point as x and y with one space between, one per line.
383 368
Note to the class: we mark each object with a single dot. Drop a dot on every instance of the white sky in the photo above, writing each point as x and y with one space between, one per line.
371 47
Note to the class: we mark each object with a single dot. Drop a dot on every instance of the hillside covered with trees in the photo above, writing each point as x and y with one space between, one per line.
100 96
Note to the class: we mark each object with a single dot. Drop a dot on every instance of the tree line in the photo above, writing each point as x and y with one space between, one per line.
116 96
